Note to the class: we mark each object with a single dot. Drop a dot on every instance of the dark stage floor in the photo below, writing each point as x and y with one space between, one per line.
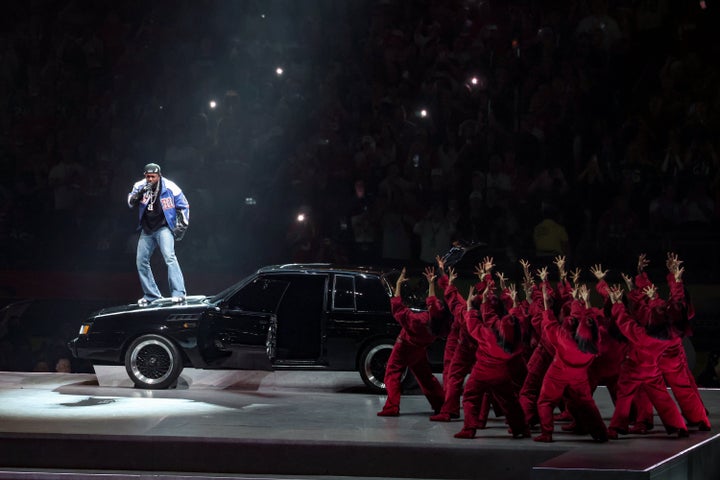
296 425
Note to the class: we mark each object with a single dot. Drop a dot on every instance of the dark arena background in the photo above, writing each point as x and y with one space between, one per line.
357 132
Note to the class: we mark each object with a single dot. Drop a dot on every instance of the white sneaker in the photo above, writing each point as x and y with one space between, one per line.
177 299
142 302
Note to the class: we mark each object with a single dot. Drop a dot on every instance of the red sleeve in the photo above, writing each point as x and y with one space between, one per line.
602 288
677 290
636 298
405 316
537 295
472 320
564 288
399 310
489 315
443 282
627 324
642 281
506 299
486 281
455 302
679 300
536 316
550 326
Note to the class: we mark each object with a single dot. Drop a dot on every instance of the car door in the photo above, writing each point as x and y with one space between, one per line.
359 311
241 332
300 319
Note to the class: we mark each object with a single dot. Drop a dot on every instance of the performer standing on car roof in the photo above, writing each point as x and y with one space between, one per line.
164 215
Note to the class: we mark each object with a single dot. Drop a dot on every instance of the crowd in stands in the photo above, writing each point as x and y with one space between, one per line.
583 128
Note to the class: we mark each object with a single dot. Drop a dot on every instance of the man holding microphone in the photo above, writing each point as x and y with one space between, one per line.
164 215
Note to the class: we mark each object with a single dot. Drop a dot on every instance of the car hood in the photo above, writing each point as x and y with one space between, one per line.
163 303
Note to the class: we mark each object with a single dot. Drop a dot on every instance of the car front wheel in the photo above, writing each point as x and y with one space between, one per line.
153 362
373 362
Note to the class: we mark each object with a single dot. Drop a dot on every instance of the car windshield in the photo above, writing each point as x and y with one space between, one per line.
389 279
230 290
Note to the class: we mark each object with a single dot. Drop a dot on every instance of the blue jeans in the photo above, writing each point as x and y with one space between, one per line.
164 239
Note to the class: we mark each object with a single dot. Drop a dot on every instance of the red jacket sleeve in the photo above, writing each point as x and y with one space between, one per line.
456 303
627 324
400 311
550 326
563 289
536 316
677 290
642 280
486 281
473 322
602 288
488 313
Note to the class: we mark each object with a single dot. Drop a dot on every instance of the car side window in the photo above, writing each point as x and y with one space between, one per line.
371 295
260 295
343 294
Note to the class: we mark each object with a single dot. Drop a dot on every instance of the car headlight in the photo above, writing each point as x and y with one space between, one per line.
84 329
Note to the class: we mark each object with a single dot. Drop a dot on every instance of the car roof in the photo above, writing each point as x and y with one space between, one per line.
323 267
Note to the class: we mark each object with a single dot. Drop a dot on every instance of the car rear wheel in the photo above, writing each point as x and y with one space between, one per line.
153 362
373 361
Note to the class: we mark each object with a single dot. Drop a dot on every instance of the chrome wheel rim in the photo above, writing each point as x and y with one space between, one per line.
375 364
151 361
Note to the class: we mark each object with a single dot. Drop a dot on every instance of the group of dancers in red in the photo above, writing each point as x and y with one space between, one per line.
552 349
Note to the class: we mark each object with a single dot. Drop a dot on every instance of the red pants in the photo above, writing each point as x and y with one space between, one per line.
536 368
405 355
629 385
451 343
461 365
677 375
574 386
496 380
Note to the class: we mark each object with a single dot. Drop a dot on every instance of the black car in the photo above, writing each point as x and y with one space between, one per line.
315 316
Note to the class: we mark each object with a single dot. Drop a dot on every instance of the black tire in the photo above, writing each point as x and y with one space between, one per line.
372 363
153 362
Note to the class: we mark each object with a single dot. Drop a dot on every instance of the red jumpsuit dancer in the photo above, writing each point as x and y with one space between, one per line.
453 337
543 354
463 356
672 363
639 372
642 409
465 351
410 349
518 364
576 346
499 342
605 370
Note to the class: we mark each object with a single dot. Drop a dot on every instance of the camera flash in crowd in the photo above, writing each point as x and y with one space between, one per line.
423 113
301 217
213 104
279 71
